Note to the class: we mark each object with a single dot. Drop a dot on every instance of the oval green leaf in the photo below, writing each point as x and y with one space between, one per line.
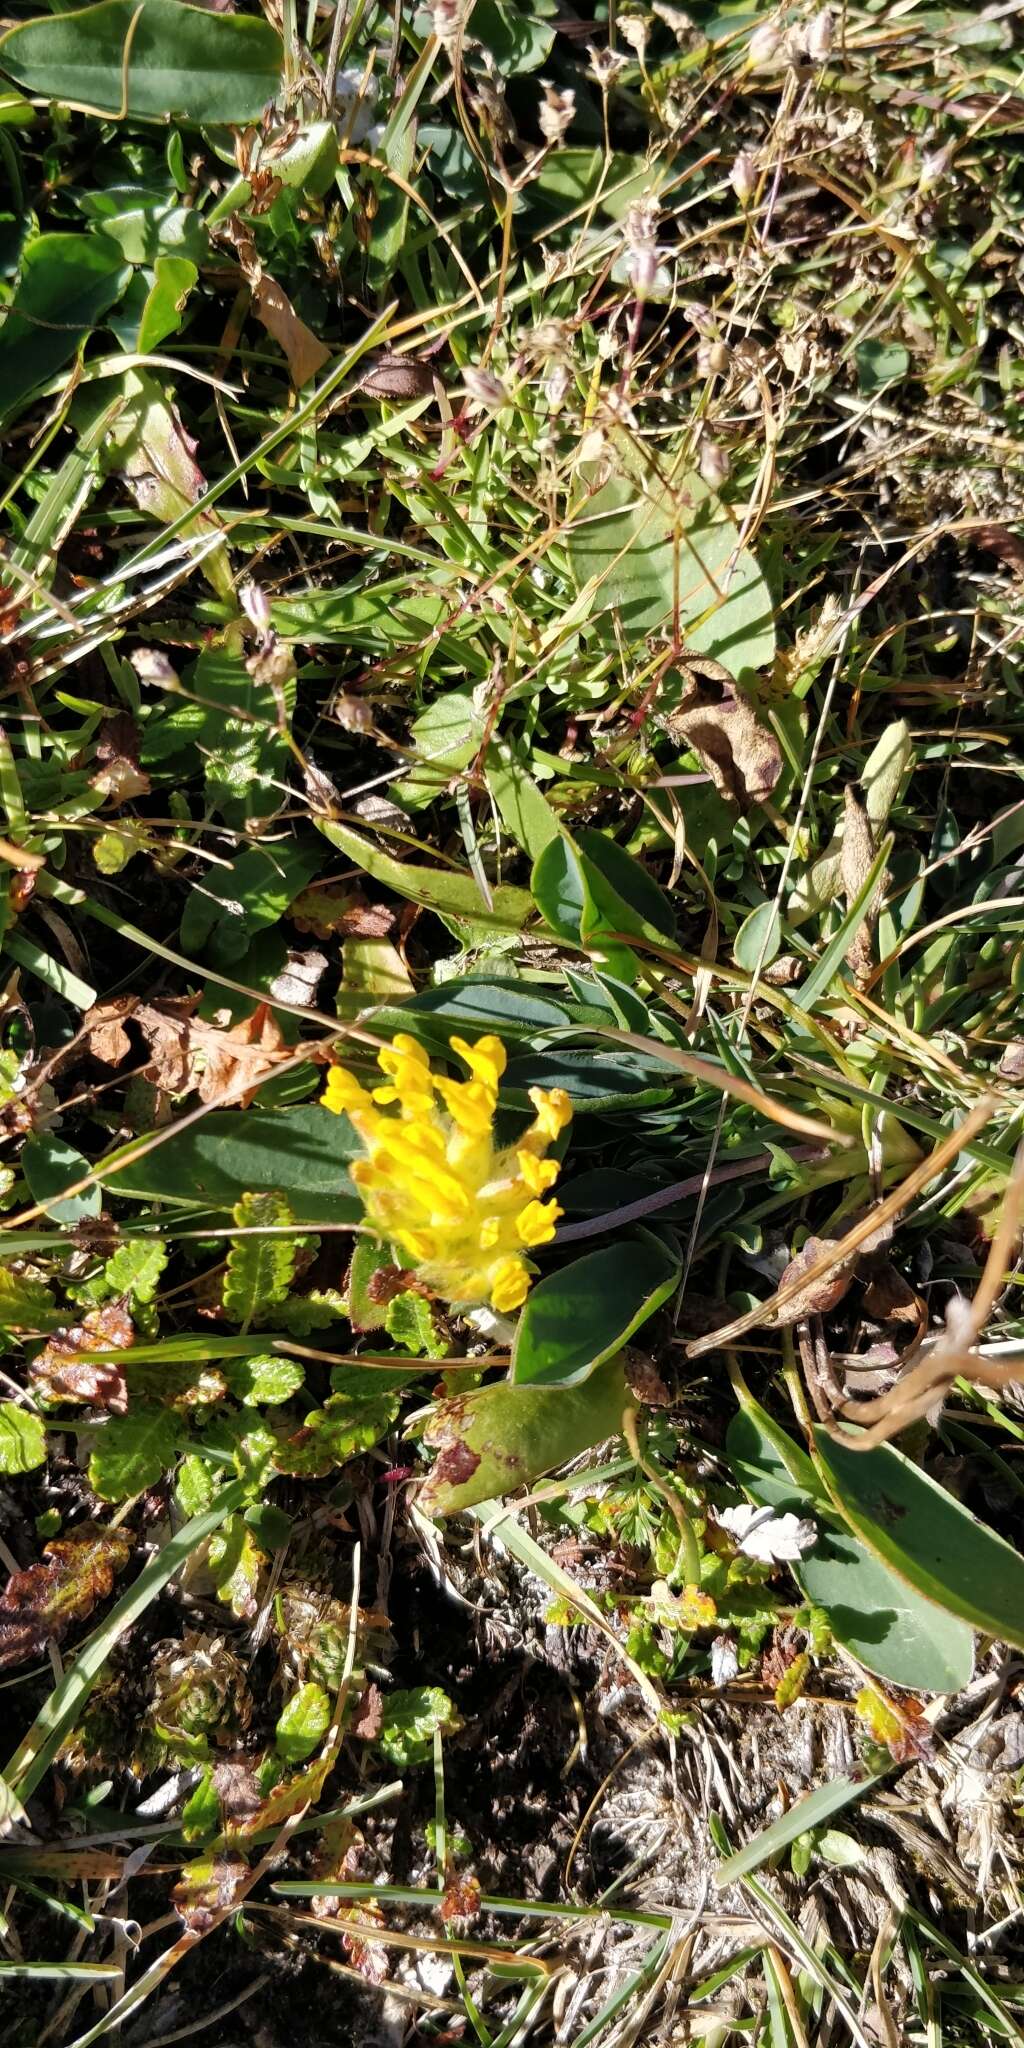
643 553
501 1437
50 1165
67 284
576 1318
872 1612
299 1153
929 1539
150 57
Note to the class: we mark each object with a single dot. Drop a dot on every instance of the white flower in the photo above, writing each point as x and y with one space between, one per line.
761 1533
556 112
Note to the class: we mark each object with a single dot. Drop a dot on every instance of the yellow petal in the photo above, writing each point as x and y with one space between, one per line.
536 1223
343 1091
485 1058
469 1103
538 1174
554 1111
510 1285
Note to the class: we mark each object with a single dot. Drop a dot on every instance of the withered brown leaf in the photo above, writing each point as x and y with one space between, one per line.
819 1295
722 726
39 1605
64 1376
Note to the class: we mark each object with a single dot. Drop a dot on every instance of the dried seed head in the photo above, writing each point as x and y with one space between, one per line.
641 245
713 462
819 36
743 177
764 46
556 384
605 66
485 389
555 116
633 30
713 358
256 606
447 21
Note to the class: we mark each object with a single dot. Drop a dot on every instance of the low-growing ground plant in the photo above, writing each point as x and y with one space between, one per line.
510 1422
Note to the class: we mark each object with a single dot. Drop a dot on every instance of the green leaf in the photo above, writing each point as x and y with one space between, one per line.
759 938
410 1322
195 1485
132 1452
174 277
387 615
67 284
264 1382
150 57
237 1564
245 751
259 1269
238 901
926 1537
136 1268
25 1304
452 894
410 1719
299 1153
303 1724
579 1316
500 1437
589 889
525 812
200 1815
880 363
809 1812
49 1165
643 553
445 737
871 1611
340 1430
22 1439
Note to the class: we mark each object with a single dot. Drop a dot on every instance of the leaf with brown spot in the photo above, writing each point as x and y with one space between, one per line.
717 720
821 1294
207 1890
273 308
62 1376
39 1605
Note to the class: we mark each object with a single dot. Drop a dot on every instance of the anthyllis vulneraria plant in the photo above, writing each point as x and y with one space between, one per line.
433 1183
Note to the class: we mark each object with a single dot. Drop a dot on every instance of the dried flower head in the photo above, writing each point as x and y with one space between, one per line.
633 30
484 388
431 1180
819 36
556 113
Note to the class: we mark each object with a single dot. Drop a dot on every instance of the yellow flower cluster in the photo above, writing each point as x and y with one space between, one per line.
432 1182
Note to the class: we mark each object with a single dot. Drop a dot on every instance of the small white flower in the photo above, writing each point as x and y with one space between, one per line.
761 1533
633 30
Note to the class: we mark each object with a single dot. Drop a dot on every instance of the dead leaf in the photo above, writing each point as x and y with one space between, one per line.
857 854
460 1901
822 1294
1002 542
719 722
888 1298
306 355
1011 1066
331 913
119 775
299 978
369 1715
236 1059
103 1032
63 1376
39 1605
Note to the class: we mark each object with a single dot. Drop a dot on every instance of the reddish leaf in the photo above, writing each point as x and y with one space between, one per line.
65 1377
39 1605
